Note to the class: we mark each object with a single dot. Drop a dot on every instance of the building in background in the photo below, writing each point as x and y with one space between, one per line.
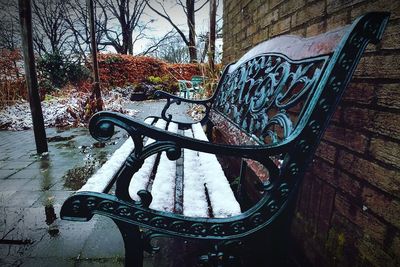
348 209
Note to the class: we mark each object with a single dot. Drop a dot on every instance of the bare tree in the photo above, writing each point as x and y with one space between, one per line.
189 10
77 18
156 43
172 50
10 37
51 31
122 25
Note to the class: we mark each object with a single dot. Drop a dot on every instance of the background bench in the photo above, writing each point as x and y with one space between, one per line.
271 107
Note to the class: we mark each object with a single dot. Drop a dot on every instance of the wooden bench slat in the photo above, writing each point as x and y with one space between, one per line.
163 189
99 181
140 180
223 201
196 167
194 196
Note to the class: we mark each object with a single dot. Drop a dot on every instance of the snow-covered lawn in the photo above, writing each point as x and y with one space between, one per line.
61 111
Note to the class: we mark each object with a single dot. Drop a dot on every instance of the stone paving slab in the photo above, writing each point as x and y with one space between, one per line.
33 188
30 186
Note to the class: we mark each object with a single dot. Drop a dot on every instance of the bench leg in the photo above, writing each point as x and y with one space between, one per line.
133 243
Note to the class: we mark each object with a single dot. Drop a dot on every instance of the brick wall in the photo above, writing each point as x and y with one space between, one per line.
348 210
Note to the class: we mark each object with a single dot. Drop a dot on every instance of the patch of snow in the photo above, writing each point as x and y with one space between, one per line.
141 178
194 195
59 111
223 201
163 190
99 181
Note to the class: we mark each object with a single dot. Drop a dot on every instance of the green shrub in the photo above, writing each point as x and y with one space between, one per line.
113 59
77 73
55 71
154 80
52 67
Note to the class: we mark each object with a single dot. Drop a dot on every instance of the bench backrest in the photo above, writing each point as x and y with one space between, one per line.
283 92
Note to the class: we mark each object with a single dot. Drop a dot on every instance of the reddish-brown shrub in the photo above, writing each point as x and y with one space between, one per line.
12 82
122 70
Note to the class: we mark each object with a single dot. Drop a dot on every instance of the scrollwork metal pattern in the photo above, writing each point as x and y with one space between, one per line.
86 204
258 94
244 98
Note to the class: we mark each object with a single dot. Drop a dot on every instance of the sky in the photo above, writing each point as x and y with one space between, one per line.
161 26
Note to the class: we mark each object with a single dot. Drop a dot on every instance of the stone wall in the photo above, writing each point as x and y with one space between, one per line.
348 210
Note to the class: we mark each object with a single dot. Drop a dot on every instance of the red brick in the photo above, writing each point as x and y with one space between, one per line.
288 7
358 118
386 207
327 152
302 202
270 18
349 185
383 178
341 241
325 211
385 151
335 5
274 3
315 10
368 6
388 95
386 123
367 222
280 27
391 37
314 206
316 29
395 246
337 20
337 115
324 171
359 92
374 253
379 66
306 193
345 137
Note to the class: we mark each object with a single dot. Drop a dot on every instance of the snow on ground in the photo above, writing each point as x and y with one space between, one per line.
59 111
100 180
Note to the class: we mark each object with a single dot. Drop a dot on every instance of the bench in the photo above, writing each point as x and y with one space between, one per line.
192 87
271 107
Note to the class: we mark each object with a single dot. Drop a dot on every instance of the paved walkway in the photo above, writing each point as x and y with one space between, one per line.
32 190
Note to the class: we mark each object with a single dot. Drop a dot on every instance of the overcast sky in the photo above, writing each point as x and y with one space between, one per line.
161 26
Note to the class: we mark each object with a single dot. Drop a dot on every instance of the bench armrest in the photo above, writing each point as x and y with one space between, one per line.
101 127
173 99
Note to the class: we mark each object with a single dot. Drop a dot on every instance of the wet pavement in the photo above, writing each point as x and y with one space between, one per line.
33 188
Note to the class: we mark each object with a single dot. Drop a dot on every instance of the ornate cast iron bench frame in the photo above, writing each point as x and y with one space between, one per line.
193 86
258 100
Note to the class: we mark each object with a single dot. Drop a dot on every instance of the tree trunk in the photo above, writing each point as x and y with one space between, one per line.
96 85
192 31
25 16
130 43
211 47
125 41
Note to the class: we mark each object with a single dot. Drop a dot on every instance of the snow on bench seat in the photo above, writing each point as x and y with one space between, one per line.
210 173
203 182
99 181
205 191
